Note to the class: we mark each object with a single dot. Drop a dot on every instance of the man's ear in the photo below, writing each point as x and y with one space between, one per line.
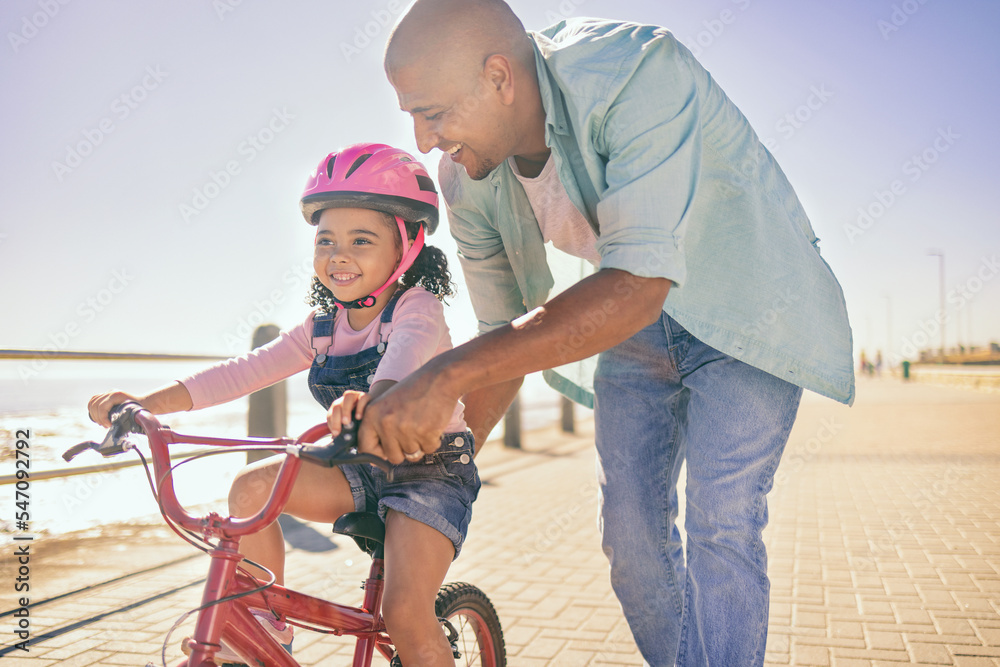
500 75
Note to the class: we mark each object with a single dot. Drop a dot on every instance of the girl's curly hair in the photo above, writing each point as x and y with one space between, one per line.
429 270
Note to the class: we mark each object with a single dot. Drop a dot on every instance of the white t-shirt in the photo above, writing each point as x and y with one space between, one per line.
561 222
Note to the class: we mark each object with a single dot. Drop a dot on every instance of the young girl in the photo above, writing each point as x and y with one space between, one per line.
378 318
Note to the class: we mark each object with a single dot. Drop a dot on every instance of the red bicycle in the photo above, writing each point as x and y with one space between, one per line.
469 619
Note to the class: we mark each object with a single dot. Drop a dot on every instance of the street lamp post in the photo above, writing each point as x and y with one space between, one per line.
941 315
889 351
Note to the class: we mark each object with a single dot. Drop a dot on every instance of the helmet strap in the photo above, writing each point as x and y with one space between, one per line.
410 252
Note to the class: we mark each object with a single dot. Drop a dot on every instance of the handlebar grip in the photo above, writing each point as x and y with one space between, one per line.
339 448
73 451
122 424
342 449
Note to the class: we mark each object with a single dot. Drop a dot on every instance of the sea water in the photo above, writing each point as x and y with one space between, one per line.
50 402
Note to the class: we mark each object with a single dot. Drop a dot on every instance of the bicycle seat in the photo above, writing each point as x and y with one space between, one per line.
367 529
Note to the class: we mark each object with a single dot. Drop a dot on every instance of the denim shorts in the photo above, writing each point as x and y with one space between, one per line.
437 490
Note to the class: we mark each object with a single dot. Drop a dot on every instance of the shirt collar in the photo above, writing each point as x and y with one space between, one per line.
552 99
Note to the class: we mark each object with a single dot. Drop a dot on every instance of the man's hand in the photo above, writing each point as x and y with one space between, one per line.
408 421
610 305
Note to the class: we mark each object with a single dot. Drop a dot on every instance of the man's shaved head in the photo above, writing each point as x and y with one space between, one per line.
465 72
445 33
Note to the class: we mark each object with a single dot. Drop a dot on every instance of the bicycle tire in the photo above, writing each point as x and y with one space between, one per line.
480 638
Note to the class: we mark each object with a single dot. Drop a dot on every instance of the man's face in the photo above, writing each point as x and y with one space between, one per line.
456 112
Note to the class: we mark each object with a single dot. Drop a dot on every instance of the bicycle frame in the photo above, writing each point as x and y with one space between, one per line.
231 620
240 629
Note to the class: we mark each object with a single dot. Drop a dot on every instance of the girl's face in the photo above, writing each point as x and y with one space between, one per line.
355 251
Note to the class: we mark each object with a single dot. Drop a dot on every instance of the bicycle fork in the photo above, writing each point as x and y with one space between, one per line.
237 619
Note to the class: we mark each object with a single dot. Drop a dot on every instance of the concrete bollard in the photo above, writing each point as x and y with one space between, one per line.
267 416
512 424
568 421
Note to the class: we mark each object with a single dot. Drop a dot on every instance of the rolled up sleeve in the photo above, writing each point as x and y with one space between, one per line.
651 137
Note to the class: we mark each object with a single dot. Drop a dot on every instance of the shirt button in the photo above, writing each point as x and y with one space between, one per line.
464 458
459 441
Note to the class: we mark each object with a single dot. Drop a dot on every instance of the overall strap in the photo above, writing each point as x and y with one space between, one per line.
322 328
322 325
386 315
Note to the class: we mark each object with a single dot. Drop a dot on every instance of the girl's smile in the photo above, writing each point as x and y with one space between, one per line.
344 279
355 252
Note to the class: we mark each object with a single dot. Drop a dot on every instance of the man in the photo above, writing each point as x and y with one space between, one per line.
711 307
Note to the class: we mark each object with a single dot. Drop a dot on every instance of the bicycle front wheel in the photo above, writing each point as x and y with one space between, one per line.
479 638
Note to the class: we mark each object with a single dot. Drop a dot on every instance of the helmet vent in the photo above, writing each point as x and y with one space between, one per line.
357 163
329 166
425 183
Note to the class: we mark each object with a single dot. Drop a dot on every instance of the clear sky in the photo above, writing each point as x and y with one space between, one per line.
153 154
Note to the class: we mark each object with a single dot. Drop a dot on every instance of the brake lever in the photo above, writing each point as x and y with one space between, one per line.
343 449
115 441
107 448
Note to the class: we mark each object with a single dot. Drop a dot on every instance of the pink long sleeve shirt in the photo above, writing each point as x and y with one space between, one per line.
416 333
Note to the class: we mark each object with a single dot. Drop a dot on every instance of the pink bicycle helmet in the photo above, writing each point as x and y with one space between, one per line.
373 176
378 177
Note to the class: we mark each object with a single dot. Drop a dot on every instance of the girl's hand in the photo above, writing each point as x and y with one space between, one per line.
100 405
172 398
347 408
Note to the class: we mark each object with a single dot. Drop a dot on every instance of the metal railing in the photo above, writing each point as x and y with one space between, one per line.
46 355
267 415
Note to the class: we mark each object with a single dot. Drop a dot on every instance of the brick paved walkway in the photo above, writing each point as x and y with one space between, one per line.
883 541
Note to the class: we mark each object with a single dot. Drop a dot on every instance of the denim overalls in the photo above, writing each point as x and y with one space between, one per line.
330 377
438 489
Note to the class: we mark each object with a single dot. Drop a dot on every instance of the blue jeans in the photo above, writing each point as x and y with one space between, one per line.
663 397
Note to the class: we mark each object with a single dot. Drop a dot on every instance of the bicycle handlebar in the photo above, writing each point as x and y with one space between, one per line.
130 417
116 441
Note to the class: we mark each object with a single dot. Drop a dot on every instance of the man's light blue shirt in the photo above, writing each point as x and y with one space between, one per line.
676 185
